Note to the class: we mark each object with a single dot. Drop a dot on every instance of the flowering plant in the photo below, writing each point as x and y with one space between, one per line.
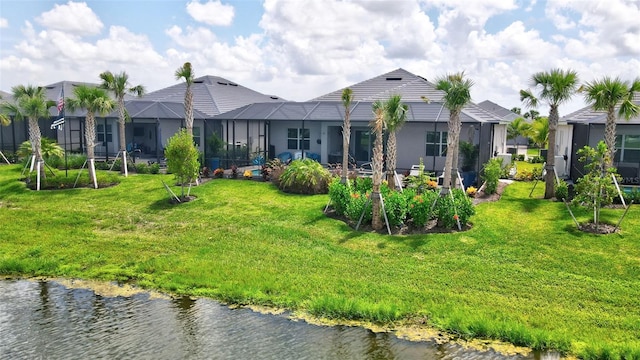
248 174
219 172
472 191
432 184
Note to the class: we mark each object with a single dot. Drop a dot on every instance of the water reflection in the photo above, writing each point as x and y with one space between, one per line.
47 320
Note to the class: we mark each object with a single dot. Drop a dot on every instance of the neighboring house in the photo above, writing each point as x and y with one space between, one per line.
154 119
315 126
212 95
588 129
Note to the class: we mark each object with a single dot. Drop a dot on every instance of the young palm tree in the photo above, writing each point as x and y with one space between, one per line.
30 103
518 127
540 132
94 100
457 91
607 94
395 117
347 97
377 126
556 87
186 72
119 85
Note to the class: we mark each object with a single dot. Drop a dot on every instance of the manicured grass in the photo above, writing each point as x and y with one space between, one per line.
533 151
523 274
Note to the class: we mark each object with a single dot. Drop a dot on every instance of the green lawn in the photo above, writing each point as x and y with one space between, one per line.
523 274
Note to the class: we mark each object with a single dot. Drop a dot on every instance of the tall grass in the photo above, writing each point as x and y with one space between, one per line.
522 274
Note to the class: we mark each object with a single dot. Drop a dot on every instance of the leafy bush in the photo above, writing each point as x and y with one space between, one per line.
362 184
272 170
562 191
154 168
357 205
396 207
537 159
419 208
305 176
340 196
449 211
59 181
492 173
75 161
182 158
142 168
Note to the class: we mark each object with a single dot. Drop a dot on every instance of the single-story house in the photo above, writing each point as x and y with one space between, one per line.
588 129
315 127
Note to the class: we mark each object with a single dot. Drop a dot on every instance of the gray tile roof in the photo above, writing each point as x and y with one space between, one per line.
212 95
587 115
146 109
504 113
419 111
410 86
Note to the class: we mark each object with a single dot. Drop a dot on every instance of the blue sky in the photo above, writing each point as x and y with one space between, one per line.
301 49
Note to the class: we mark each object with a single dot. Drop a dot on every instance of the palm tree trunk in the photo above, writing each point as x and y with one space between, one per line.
391 160
551 153
610 136
455 182
189 111
90 136
346 135
376 221
121 136
35 137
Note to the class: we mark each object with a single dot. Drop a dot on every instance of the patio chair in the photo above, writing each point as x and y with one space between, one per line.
285 157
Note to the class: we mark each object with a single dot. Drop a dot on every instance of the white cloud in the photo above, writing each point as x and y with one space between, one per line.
194 39
74 17
211 12
4 23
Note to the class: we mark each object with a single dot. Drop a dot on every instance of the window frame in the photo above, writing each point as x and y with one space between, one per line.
439 143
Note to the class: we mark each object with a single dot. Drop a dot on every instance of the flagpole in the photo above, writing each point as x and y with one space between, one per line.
64 132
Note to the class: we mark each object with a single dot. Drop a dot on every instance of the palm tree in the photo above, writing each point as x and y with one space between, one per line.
556 87
347 97
395 117
119 85
518 127
540 132
94 100
607 94
457 91
186 72
30 103
377 125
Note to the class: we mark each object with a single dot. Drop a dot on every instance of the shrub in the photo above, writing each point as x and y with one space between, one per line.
537 159
275 168
205 172
492 173
154 168
142 168
182 158
66 182
75 161
340 196
562 191
396 207
356 206
362 184
218 173
419 208
305 176
451 209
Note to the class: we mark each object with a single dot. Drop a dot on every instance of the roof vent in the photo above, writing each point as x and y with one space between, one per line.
232 84
198 81
222 83
394 78
50 87
274 97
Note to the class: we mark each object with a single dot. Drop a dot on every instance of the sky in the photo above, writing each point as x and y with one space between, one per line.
302 49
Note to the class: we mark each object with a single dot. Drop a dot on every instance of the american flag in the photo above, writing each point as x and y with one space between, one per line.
60 103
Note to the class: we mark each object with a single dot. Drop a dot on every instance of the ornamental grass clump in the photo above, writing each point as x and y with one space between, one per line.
305 176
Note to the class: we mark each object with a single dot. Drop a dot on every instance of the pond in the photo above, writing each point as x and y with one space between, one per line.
45 319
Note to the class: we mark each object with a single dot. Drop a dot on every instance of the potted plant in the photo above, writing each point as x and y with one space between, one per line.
215 144
469 153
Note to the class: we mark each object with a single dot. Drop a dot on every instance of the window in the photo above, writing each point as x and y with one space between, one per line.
104 136
627 148
436 143
196 136
298 138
